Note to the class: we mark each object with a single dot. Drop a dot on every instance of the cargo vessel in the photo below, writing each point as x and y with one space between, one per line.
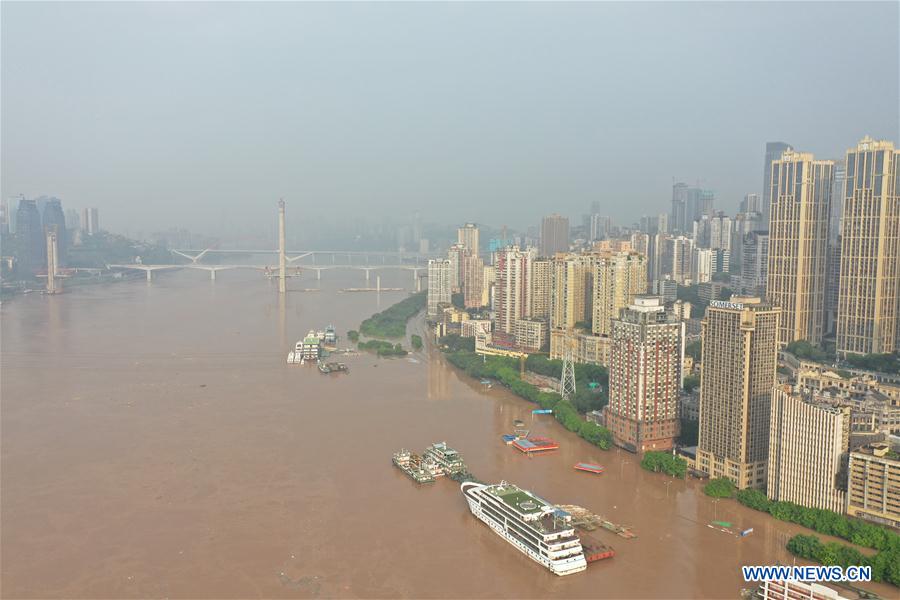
536 528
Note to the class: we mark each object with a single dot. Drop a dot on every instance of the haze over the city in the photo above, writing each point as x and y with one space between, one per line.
202 114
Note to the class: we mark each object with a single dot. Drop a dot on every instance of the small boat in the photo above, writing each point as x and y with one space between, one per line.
519 423
508 439
589 468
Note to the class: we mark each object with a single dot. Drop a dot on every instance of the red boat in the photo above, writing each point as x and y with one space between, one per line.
589 468
594 549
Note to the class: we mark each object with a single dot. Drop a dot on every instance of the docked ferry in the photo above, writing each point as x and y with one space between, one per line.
535 527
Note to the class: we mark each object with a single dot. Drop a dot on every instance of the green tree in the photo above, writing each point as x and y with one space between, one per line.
416 341
721 487
353 335
691 382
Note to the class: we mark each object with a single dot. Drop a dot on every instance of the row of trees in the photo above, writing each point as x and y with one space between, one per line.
391 322
504 370
383 348
885 565
664 462
824 521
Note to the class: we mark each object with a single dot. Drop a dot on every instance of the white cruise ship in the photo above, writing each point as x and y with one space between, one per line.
538 529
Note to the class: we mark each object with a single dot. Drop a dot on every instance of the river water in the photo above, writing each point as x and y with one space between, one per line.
155 444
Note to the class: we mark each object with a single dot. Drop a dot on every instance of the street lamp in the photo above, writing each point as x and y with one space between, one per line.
716 509
668 483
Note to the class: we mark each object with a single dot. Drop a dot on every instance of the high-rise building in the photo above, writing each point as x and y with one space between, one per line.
467 237
809 443
30 240
676 259
570 300
774 150
456 254
439 291
707 262
870 250
679 221
73 220
52 219
600 227
739 357
874 485
512 292
541 288
800 202
90 220
751 203
618 279
662 223
554 235
713 231
754 263
833 262
473 282
647 352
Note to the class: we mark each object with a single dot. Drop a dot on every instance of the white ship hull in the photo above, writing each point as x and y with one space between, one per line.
565 566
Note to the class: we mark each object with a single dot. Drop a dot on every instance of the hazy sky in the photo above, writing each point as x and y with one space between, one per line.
204 114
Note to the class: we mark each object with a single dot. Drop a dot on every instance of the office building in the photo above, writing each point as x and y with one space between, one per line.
774 150
90 221
870 250
809 445
467 237
439 290
618 279
800 202
647 352
554 235
874 486
30 240
512 292
751 203
739 358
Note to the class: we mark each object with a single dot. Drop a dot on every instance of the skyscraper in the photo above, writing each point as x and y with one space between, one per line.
870 250
739 357
54 218
554 235
645 376
600 226
809 444
30 240
467 236
679 208
456 254
754 263
798 244
439 275
774 150
512 290
676 259
619 277
751 203
90 220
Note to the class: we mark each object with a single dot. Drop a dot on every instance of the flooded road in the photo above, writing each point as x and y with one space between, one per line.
155 444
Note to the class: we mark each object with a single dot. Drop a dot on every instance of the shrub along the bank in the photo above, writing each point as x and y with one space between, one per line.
885 565
665 462
416 341
391 322
505 370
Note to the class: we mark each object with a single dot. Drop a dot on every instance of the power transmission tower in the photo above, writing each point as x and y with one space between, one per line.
567 377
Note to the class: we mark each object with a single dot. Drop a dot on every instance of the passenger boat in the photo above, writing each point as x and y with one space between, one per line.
447 458
536 528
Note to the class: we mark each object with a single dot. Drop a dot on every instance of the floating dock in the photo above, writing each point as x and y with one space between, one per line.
333 367
589 468
594 549
413 466
534 444
588 521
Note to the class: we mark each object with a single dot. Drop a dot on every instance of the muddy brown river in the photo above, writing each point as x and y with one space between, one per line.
156 444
